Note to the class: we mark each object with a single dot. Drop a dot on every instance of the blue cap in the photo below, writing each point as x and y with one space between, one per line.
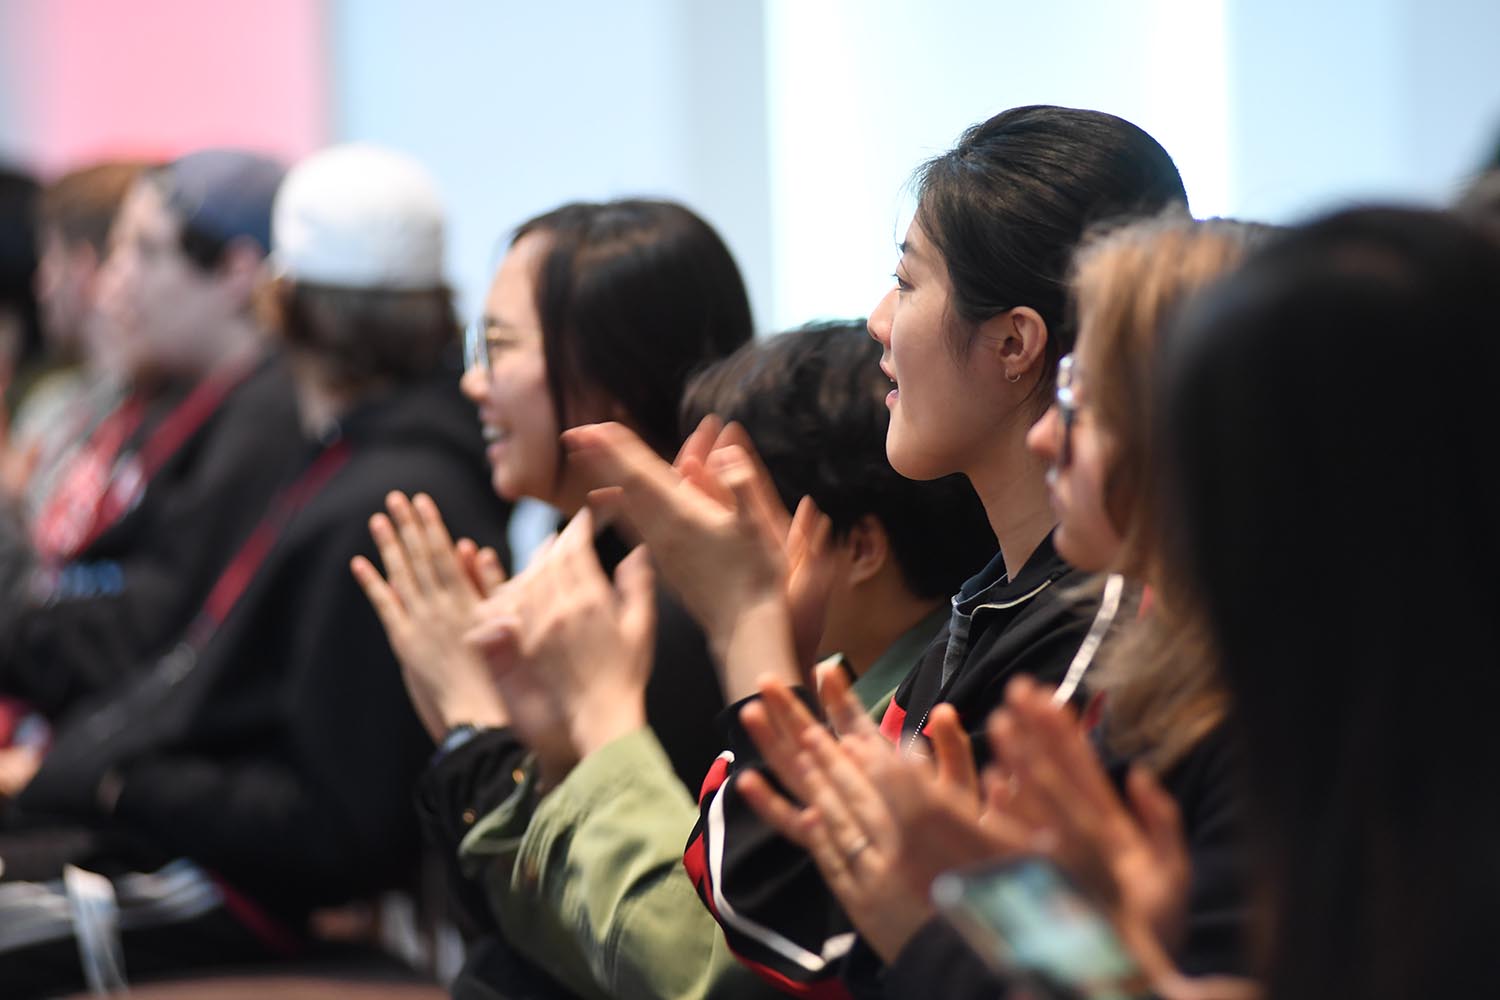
224 193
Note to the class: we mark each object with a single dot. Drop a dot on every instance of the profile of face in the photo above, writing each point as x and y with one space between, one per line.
1079 453
945 408
164 309
64 288
514 401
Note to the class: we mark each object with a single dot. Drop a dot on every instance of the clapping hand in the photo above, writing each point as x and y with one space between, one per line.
753 577
425 603
570 650
868 809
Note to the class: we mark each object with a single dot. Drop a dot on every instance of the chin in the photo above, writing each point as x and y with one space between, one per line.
505 486
1079 556
918 467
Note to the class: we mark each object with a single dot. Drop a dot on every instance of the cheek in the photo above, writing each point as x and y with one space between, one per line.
1087 536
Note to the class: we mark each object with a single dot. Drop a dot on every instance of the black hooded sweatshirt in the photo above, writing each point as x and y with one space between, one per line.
275 744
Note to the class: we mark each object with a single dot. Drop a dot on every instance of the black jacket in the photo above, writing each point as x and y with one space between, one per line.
278 748
133 590
785 924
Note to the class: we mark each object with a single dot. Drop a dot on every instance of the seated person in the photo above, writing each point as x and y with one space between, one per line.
262 767
147 511
575 328
74 215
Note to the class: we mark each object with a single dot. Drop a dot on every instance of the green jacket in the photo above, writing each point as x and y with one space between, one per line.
588 881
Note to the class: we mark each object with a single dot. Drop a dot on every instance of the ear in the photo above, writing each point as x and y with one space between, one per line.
869 549
1018 338
241 269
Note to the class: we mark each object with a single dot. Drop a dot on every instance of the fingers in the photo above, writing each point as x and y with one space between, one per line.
1159 815
778 745
859 804
607 503
785 708
413 539
648 492
1062 749
951 747
734 472
768 501
393 557
1011 791
700 442
808 532
488 572
842 707
696 472
773 807
446 568
612 455
387 605
635 589
497 640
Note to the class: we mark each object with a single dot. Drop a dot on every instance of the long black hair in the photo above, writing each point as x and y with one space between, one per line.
1329 425
1007 205
633 297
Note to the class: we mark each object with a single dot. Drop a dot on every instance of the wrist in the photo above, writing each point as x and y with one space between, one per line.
605 719
757 642
481 708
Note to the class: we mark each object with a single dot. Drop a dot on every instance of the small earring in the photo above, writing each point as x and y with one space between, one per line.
1013 378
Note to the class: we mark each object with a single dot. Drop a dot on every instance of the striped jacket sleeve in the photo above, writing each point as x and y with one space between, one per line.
765 891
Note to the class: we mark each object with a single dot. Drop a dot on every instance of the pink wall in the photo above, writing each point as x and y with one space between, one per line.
160 77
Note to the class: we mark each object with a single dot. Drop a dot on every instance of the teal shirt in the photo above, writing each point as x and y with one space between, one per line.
877 686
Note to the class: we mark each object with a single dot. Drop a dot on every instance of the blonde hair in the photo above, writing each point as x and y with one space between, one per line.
1159 676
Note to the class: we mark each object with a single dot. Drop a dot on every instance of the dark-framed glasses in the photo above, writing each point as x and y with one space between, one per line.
1066 399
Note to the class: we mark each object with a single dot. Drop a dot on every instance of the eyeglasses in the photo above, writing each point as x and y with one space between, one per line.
477 347
1066 399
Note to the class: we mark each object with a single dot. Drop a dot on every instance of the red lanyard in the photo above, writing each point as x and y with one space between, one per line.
72 511
104 482
236 577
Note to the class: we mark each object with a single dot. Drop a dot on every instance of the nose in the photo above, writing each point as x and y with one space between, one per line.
879 323
114 281
474 383
1042 439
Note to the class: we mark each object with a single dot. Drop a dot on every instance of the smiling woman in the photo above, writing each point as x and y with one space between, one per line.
598 312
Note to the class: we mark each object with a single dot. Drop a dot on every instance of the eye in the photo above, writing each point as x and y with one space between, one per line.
902 284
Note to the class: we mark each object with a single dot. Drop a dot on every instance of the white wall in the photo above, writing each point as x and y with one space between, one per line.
861 91
1337 101
518 107
1273 109
793 125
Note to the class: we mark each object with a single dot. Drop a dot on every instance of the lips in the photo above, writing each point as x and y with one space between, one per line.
895 393
491 432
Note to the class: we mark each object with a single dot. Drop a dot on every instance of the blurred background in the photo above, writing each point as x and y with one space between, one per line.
792 125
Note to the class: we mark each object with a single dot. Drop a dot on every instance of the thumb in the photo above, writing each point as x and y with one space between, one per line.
607 503
497 641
